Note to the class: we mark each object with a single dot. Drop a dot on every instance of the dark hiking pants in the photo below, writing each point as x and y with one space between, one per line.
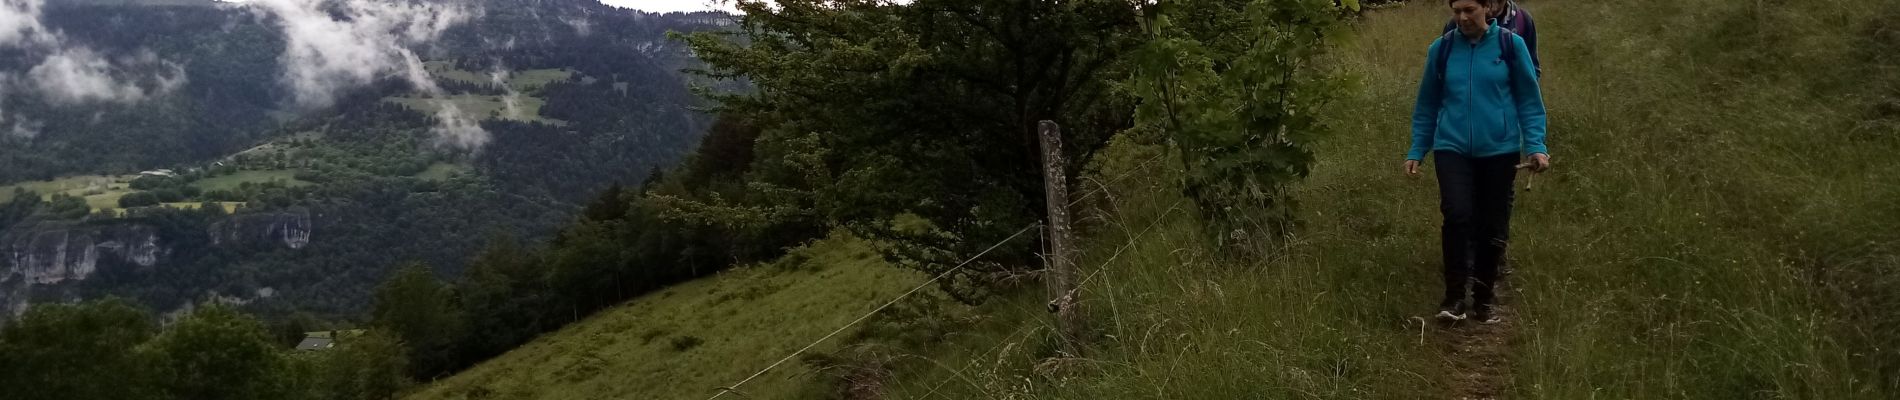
1474 193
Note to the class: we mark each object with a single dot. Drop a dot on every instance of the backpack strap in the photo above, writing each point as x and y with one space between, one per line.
1507 51
1444 52
1507 47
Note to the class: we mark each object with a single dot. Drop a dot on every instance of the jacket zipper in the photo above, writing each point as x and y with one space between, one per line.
1471 136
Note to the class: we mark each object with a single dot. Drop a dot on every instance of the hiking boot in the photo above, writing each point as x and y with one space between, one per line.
1451 311
1486 314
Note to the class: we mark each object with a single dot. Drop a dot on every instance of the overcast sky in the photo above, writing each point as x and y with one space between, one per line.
667 5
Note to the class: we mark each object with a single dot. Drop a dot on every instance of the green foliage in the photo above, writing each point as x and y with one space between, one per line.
588 263
422 312
62 206
139 199
216 353
82 351
23 204
111 349
507 299
367 367
1237 87
721 196
291 329
153 182
610 204
843 82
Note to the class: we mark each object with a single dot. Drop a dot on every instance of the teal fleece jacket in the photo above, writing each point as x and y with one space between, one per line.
1479 106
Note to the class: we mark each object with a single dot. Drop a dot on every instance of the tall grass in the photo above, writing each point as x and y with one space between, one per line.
1713 173
1179 319
1719 226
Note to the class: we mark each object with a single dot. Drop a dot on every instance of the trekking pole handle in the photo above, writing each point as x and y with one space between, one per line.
1529 179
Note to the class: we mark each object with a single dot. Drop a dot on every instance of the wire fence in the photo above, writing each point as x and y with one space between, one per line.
1100 188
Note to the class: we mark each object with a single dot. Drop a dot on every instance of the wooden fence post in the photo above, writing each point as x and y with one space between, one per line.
1060 273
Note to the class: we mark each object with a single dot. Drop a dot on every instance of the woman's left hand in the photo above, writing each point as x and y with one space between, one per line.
1540 162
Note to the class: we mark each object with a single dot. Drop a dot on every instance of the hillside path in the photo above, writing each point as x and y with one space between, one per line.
1477 356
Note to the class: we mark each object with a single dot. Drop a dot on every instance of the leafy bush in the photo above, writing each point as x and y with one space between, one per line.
168 195
153 182
840 86
138 199
1235 86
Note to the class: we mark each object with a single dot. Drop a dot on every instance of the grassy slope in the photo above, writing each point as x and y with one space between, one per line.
74 185
747 318
232 181
1681 251
1714 230
482 107
229 206
100 191
442 171
103 192
527 81
519 80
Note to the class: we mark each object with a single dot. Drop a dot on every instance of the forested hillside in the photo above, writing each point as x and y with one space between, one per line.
272 155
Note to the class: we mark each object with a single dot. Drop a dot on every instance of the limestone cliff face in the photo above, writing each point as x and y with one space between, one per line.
290 228
52 252
46 253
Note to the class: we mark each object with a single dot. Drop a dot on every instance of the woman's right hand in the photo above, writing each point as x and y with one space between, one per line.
1411 168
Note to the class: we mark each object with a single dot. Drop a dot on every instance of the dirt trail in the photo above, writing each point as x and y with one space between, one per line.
1477 356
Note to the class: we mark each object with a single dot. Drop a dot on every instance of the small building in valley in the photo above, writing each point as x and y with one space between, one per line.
312 343
324 340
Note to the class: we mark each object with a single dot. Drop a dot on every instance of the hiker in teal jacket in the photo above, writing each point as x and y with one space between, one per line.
1479 110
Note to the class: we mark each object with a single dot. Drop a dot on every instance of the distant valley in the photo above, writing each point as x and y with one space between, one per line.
209 168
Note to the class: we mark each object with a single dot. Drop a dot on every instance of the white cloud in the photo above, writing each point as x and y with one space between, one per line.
25 128
458 130
511 103
581 26
20 127
78 75
664 6
326 54
20 22
332 49
673 5
69 73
